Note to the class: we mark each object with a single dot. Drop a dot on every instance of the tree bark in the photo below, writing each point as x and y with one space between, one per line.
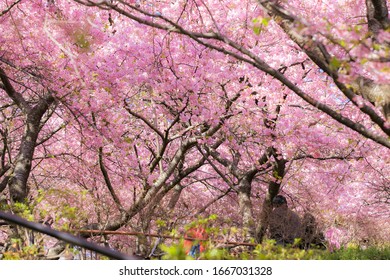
273 189
245 203
17 181
377 15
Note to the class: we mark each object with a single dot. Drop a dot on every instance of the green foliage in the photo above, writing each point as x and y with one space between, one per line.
204 222
24 210
335 64
82 39
66 204
357 253
216 254
175 252
259 23
161 223
268 250
18 251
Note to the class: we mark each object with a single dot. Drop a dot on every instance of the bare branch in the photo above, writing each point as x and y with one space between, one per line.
12 93
216 169
50 135
211 202
108 181
148 123
300 157
10 7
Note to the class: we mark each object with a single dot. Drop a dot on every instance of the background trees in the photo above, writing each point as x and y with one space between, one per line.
139 114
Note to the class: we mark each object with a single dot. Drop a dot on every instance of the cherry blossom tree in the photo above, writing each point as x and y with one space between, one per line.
137 112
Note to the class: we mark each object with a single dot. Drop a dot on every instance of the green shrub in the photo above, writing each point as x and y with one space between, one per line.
268 250
356 253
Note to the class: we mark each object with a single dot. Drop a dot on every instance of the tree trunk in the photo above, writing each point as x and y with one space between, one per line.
18 181
245 203
377 15
273 190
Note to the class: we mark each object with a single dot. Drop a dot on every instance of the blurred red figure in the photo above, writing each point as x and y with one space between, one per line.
194 241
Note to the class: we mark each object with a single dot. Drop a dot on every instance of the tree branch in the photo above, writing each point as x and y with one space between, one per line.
211 202
108 181
320 56
254 60
148 123
9 8
300 157
13 94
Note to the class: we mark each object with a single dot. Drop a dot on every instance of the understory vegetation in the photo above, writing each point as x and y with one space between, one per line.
269 251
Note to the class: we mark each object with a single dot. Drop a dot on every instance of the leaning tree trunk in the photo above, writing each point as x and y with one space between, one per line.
17 178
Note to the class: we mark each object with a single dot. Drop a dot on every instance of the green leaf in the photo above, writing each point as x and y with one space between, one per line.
259 23
335 64
376 47
265 21
128 140
257 29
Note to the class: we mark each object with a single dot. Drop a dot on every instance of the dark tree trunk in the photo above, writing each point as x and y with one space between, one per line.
17 180
273 190
377 15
